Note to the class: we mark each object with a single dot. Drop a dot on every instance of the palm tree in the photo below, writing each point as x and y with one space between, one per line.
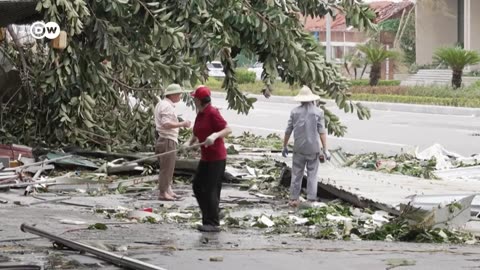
375 55
354 61
457 58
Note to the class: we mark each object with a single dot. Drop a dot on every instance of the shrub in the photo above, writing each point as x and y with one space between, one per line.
456 102
244 76
380 83
384 90
457 58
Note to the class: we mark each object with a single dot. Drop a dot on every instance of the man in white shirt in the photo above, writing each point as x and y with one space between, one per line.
167 126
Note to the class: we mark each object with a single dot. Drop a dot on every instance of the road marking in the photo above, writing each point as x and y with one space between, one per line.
330 137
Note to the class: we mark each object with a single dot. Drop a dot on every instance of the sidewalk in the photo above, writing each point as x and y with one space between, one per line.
381 106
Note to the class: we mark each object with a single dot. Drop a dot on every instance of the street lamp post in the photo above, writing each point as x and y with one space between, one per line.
329 38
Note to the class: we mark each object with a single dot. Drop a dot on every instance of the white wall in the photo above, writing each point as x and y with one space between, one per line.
435 28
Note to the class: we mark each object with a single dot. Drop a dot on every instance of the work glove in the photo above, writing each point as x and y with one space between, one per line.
327 154
211 139
285 151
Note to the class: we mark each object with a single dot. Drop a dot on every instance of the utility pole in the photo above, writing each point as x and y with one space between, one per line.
329 38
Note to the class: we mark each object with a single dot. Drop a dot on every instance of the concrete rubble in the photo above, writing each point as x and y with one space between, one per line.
96 197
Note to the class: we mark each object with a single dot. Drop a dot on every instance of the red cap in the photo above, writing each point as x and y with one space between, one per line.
201 92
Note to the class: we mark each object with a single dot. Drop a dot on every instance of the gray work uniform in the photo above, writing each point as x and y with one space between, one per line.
306 122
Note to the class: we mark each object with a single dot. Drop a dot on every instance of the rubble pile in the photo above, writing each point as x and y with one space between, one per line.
423 164
254 199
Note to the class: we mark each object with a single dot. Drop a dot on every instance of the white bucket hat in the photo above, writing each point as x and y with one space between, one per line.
173 89
306 95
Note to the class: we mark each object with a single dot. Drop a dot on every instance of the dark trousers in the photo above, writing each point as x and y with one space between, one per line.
207 185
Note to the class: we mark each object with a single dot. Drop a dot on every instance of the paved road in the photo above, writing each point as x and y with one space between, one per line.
387 131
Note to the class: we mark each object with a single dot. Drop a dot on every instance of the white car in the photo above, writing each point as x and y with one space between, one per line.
215 69
258 69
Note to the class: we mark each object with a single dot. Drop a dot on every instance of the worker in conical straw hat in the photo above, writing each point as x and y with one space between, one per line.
167 127
307 122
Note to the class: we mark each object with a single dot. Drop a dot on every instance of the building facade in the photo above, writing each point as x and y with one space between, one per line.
344 39
445 23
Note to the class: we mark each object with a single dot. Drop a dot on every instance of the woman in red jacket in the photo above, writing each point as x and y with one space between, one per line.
209 128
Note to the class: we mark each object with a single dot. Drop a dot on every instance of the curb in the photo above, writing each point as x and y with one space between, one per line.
381 106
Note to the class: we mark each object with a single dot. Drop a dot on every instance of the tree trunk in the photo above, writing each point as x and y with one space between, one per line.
345 64
457 78
363 71
375 74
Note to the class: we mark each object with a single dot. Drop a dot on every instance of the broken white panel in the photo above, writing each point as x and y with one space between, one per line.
463 173
338 218
456 214
427 202
266 221
450 216
72 222
442 156
180 215
238 173
297 220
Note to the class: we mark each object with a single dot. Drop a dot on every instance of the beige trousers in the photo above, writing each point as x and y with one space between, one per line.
167 163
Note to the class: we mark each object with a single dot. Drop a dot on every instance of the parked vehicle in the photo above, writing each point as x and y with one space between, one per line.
258 69
215 69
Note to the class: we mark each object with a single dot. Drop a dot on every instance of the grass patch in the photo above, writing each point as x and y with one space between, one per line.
427 95
279 88
455 102
366 82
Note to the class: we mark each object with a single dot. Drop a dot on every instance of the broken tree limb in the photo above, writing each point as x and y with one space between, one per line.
111 257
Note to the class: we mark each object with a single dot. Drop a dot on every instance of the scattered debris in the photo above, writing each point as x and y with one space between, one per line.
393 263
252 142
143 216
98 226
72 222
70 161
120 166
216 259
446 159
263 222
400 164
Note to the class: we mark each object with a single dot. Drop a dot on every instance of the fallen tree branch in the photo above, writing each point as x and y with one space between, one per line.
16 41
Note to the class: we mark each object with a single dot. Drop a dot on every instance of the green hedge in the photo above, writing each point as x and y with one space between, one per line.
244 76
455 102
380 83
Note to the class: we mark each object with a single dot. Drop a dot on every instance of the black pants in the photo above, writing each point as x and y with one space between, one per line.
207 185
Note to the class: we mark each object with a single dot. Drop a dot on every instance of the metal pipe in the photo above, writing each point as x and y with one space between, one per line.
121 261
329 38
165 153
45 201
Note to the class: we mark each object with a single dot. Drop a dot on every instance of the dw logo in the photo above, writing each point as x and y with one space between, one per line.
50 30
